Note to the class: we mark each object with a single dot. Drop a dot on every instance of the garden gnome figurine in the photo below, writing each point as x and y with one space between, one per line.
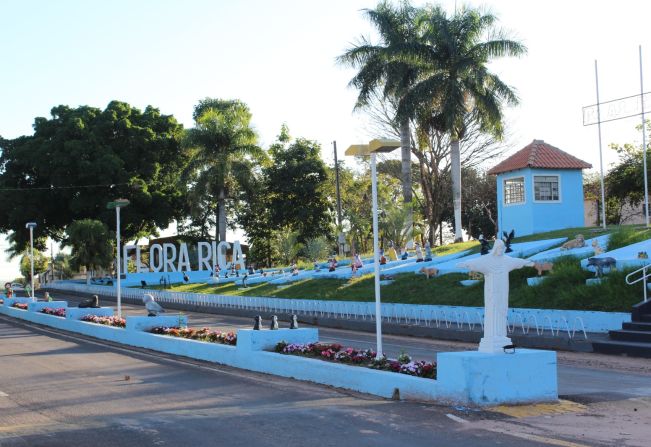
293 324
256 323
274 323
496 267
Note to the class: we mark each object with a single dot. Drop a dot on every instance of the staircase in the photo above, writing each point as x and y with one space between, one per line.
634 339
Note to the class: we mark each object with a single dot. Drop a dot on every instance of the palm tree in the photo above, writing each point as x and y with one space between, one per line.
456 85
381 68
221 146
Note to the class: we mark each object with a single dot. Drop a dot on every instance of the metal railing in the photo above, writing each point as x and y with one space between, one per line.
645 275
408 314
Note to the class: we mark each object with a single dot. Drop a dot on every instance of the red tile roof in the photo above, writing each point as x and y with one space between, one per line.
539 154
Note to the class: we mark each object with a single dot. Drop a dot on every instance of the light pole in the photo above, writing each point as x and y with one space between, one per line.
372 148
340 240
117 204
31 226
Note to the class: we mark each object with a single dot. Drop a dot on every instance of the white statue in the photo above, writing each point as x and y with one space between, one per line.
495 267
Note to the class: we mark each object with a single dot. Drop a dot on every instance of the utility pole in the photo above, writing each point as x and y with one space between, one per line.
341 233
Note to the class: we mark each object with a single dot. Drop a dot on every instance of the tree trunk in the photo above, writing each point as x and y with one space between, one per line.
88 275
405 143
455 167
221 204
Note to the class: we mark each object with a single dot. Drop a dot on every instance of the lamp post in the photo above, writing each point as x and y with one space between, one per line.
372 148
31 226
117 204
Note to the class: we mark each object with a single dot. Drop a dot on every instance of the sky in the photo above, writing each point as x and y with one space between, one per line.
279 58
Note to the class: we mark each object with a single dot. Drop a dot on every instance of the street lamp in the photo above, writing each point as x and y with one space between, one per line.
117 204
372 148
31 226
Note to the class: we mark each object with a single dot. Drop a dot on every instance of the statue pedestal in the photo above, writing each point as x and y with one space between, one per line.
494 345
480 378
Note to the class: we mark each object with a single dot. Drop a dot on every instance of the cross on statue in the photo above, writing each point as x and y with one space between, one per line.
496 267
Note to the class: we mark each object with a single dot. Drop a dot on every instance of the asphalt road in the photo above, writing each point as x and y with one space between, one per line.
587 377
58 389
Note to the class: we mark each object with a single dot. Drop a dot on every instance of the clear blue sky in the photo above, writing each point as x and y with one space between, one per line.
278 57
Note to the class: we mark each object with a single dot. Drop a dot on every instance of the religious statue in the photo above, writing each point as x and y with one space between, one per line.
496 267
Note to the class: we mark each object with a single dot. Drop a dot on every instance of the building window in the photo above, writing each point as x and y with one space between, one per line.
546 188
514 190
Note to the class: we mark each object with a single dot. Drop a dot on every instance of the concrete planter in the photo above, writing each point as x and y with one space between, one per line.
464 377
145 324
37 306
76 313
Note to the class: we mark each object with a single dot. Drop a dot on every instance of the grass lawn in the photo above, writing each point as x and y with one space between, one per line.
563 289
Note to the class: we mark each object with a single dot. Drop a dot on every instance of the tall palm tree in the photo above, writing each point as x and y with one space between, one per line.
221 147
382 69
453 53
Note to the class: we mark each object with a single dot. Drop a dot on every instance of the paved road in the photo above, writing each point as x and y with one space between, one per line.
586 377
58 390
50 395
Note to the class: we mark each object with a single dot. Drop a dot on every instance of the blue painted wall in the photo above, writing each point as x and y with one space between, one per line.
534 216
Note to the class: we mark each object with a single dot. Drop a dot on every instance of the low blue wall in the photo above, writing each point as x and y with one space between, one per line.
488 380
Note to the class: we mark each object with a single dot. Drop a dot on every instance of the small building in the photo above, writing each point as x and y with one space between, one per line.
539 188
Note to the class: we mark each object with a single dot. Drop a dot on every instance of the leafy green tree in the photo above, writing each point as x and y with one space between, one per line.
222 148
316 248
625 181
82 158
382 68
254 217
297 188
41 263
453 54
288 245
62 267
91 245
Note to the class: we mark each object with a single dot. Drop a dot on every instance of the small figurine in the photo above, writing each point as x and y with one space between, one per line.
257 321
428 252
274 323
485 247
596 247
293 323
642 255
543 267
508 238
577 242
153 308
429 271
90 302
600 263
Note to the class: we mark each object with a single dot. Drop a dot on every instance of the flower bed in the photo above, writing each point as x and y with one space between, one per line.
108 321
203 334
58 312
334 352
22 306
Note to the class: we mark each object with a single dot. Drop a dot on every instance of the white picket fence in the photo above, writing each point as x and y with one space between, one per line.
449 317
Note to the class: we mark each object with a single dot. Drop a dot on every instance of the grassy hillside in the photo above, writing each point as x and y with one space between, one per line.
564 288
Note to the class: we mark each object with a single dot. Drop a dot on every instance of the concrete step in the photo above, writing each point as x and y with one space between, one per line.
645 318
627 335
637 326
628 348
